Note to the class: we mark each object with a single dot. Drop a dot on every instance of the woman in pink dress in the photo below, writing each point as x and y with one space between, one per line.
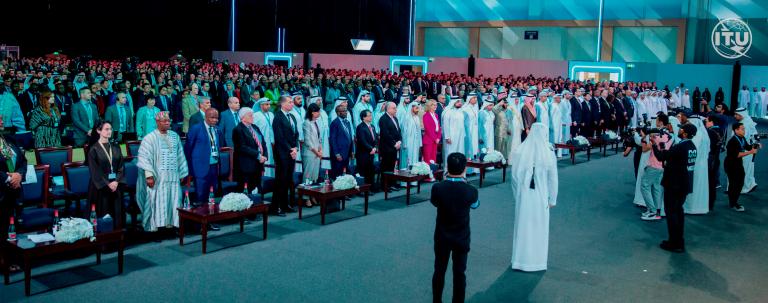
432 133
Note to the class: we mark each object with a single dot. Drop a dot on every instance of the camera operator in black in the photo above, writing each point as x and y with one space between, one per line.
737 148
632 141
713 161
677 181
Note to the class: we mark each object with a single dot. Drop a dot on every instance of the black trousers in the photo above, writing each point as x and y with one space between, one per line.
253 180
283 179
366 169
735 183
714 166
636 159
673 206
442 252
575 130
387 164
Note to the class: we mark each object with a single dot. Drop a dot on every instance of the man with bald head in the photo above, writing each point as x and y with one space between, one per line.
229 119
202 149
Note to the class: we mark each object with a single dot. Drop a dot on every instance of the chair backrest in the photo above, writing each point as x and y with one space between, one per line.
37 192
76 177
225 163
54 157
132 147
131 172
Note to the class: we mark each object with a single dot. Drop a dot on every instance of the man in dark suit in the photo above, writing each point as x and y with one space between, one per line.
391 139
163 101
250 151
677 181
576 117
285 150
230 119
341 142
620 113
11 177
597 119
203 103
453 199
202 151
367 140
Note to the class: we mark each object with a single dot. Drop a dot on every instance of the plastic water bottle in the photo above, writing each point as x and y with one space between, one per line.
185 203
327 180
396 166
245 189
94 219
211 200
55 220
11 231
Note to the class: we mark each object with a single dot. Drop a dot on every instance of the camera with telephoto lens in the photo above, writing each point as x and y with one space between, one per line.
756 142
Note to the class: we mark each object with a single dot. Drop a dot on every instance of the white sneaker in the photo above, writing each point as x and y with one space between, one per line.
650 217
738 208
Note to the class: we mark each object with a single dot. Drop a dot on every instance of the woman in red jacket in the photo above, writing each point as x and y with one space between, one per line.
432 133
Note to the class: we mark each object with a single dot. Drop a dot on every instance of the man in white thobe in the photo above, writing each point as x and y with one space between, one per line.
410 127
557 127
685 100
363 103
454 129
754 100
762 104
471 141
534 188
262 119
697 201
299 113
744 96
750 130
565 111
162 165
486 120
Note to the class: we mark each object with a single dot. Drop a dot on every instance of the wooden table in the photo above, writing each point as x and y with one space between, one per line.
323 194
604 144
482 166
205 214
29 251
403 176
572 149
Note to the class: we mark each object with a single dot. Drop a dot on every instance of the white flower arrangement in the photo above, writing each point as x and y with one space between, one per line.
494 156
581 140
73 229
344 182
421 168
611 135
235 202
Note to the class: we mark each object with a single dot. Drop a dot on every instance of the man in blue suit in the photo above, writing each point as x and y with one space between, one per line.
340 139
230 119
202 151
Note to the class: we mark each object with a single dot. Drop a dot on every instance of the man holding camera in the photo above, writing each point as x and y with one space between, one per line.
737 148
679 162
651 180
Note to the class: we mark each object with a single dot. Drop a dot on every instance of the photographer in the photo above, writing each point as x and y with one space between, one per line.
653 172
715 147
632 141
736 149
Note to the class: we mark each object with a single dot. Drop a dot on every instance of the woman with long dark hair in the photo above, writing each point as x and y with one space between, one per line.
44 121
105 163
312 149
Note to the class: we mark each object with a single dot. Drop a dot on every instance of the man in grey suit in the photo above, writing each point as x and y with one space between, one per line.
120 116
84 117
229 119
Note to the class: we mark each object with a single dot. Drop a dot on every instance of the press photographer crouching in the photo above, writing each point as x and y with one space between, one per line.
652 175
737 148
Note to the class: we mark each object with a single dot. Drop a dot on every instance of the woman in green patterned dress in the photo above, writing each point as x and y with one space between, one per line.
44 122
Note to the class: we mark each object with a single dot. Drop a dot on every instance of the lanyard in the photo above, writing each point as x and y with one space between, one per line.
109 156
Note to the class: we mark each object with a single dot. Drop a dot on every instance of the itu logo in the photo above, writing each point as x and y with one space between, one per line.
732 38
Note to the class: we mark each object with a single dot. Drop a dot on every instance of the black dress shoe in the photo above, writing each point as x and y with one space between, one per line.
665 245
278 213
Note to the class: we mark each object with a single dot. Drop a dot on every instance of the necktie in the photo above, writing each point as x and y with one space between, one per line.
89 113
255 138
234 114
371 130
121 114
346 127
293 126
165 105
212 138
317 129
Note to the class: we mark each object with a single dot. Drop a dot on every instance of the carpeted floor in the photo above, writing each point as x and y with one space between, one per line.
600 251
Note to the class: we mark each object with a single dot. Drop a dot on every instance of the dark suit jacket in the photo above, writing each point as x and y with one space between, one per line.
678 166
247 155
365 143
286 137
340 140
227 124
606 110
575 111
197 149
594 108
628 107
389 135
168 107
